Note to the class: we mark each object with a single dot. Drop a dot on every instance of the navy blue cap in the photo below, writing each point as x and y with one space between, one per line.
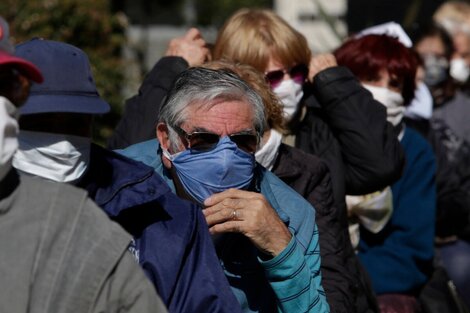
68 83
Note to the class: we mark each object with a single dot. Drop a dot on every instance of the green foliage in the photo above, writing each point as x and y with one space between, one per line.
87 24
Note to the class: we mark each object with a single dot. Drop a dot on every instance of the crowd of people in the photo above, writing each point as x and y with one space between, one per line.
250 175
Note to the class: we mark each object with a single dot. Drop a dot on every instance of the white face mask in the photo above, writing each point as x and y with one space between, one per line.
422 104
8 135
290 93
267 154
459 70
392 100
58 157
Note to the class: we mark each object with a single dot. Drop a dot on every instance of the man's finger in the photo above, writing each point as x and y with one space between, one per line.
199 42
226 203
230 193
224 215
227 227
193 33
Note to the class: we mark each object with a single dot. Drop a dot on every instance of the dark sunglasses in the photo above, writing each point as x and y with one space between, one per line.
201 141
298 73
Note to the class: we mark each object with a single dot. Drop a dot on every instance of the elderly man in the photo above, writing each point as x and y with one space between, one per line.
60 252
171 240
209 129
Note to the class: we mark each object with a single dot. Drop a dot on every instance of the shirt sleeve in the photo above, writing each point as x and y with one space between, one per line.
295 278
372 155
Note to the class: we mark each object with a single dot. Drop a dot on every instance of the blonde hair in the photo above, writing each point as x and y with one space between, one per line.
454 16
272 105
251 36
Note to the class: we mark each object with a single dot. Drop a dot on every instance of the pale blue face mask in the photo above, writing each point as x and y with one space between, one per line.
203 174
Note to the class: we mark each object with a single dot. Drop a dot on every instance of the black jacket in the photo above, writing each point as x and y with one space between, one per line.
141 111
347 128
310 177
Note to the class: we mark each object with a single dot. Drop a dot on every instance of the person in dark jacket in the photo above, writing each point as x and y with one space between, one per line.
397 250
171 238
62 253
331 115
307 175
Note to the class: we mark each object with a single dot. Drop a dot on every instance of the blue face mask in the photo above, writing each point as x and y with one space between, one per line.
204 173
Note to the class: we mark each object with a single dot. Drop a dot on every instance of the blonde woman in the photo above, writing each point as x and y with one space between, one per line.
305 173
328 112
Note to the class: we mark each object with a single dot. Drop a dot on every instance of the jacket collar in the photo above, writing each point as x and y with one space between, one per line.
263 183
116 182
284 158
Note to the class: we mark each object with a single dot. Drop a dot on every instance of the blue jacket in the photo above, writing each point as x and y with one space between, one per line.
399 258
290 282
171 239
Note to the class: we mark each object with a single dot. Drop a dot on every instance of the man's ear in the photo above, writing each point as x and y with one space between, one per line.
163 138
162 135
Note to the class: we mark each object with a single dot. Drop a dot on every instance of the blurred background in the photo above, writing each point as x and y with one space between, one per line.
123 39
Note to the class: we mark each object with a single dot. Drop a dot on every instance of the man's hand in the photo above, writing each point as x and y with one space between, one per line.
191 47
319 63
248 213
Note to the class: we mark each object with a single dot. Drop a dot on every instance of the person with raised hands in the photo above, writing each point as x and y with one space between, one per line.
141 111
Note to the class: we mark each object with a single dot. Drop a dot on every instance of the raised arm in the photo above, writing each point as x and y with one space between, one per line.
371 153
140 115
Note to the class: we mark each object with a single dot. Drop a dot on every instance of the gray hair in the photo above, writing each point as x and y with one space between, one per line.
201 86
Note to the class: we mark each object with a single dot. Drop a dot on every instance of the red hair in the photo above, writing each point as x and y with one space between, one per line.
367 56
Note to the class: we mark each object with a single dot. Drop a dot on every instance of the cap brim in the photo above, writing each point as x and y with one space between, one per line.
25 67
37 104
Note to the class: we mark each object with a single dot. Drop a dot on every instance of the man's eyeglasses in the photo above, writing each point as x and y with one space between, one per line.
204 141
298 73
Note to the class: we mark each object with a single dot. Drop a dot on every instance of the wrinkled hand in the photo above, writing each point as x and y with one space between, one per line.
319 63
191 47
254 217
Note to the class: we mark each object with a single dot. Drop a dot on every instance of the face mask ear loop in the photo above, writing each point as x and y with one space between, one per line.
170 156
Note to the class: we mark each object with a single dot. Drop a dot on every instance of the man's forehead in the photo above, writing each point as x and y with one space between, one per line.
221 106
231 114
